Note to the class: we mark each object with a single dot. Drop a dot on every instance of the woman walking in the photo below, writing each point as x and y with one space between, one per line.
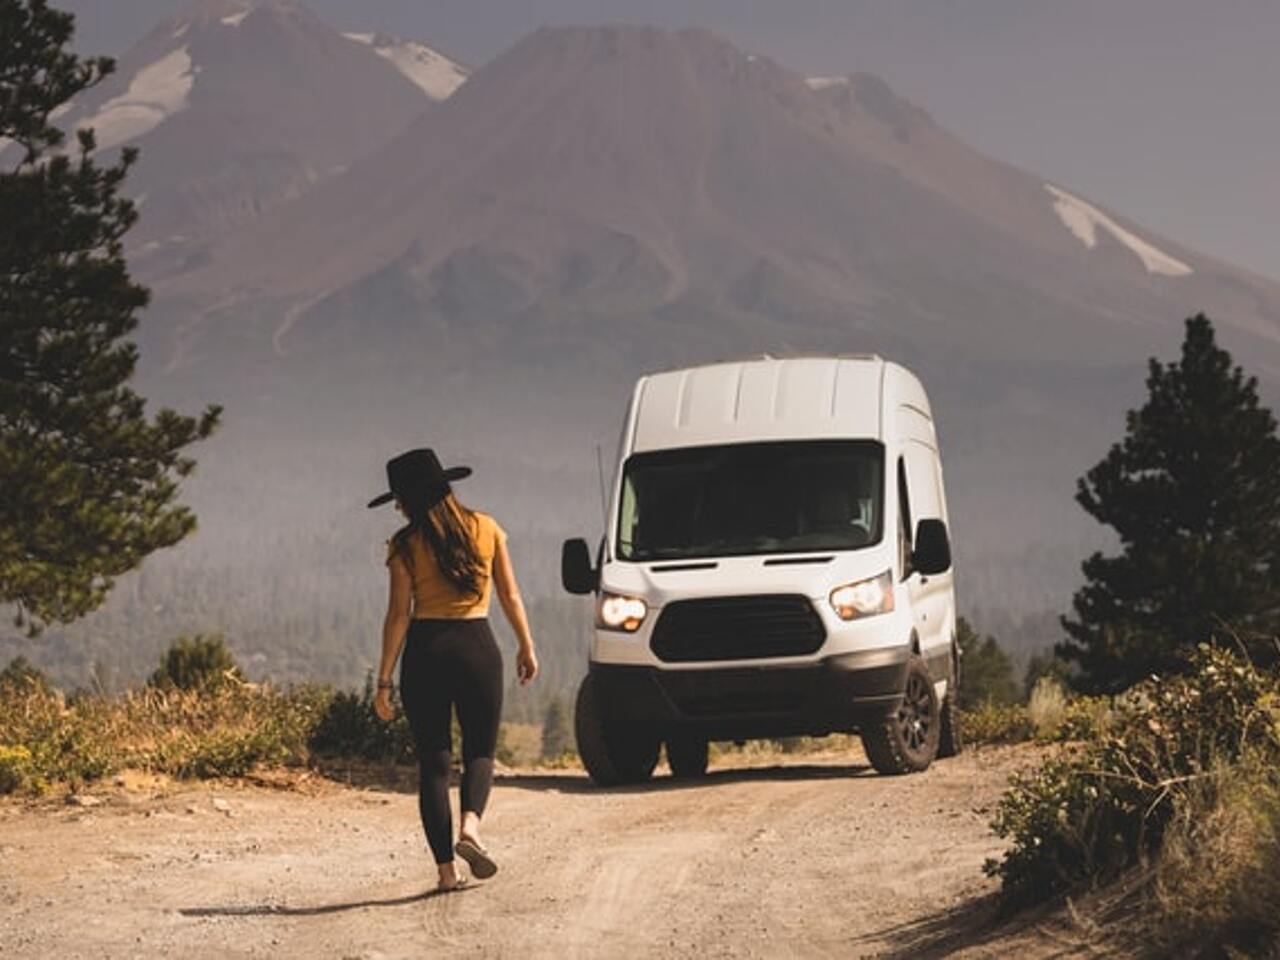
444 563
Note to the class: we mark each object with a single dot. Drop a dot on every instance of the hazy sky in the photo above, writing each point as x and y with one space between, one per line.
1164 110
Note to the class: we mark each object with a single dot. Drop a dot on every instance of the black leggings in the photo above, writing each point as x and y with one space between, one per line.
449 662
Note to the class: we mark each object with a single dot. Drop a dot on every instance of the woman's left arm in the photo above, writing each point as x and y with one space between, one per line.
394 628
504 580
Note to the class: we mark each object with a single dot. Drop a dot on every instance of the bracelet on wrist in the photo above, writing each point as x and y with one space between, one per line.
385 685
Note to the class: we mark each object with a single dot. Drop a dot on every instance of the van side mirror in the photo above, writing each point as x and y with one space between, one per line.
576 572
932 553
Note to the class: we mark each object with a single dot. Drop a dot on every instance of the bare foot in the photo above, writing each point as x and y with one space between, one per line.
470 828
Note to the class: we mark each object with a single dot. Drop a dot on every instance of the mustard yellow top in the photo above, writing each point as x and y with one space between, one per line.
434 597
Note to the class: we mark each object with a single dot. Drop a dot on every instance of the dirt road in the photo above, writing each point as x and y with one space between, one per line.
811 856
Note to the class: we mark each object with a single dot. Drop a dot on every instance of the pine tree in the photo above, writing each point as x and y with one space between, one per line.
89 480
194 663
1046 663
986 671
1193 493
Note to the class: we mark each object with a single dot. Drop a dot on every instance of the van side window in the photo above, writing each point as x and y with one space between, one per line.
904 521
628 516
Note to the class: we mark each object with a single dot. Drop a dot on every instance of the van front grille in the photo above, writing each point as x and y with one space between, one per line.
737 628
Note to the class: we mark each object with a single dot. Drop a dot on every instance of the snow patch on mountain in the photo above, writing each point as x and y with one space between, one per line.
233 20
435 74
822 83
1083 219
157 92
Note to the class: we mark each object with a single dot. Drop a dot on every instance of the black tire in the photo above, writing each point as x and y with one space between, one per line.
951 736
611 757
687 757
906 741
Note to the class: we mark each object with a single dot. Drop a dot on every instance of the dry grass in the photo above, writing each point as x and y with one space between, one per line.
222 732
1217 880
760 752
520 744
1047 708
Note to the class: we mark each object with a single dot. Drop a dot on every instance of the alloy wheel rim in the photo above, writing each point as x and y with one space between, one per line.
914 717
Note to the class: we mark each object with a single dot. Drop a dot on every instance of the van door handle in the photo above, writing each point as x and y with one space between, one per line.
923 580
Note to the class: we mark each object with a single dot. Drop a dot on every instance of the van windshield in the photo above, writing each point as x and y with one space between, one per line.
737 499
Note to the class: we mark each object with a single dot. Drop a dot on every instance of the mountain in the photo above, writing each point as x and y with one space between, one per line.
606 200
601 202
237 106
436 74
658 170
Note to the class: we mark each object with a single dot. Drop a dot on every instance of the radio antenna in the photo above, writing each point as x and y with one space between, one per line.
604 502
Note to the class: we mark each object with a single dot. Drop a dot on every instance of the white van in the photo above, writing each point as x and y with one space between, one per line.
776 563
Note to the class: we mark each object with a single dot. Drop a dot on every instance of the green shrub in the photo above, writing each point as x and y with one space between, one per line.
20 675
193 663
349 727
1087 718
992 722
16 771
231 754
1102 805
61 742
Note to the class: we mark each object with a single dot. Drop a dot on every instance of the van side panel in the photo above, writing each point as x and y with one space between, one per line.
932 598
922 481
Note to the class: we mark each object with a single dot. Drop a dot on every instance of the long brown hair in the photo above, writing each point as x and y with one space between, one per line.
449 529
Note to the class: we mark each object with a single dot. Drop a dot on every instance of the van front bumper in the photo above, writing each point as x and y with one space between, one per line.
836 694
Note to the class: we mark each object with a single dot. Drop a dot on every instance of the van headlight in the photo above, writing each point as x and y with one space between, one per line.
617 612
863 598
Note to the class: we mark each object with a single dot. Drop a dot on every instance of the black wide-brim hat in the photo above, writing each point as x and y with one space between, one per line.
416 470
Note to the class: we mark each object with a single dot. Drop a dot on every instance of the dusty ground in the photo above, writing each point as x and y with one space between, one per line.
803 856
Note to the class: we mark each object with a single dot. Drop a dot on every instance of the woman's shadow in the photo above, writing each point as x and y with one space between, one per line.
277 910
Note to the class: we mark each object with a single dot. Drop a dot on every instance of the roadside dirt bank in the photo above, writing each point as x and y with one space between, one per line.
788 856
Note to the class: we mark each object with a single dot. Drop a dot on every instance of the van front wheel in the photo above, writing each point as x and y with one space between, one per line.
610 757
687 757
906 741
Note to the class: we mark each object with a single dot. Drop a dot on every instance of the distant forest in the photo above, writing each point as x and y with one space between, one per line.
318 616
288 565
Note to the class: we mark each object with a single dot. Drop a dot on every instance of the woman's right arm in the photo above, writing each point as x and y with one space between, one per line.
394 627
504 582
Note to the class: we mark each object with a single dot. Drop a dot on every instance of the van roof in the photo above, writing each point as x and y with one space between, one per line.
760 399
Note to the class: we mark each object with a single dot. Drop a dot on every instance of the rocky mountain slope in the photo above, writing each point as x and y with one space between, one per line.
239 105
